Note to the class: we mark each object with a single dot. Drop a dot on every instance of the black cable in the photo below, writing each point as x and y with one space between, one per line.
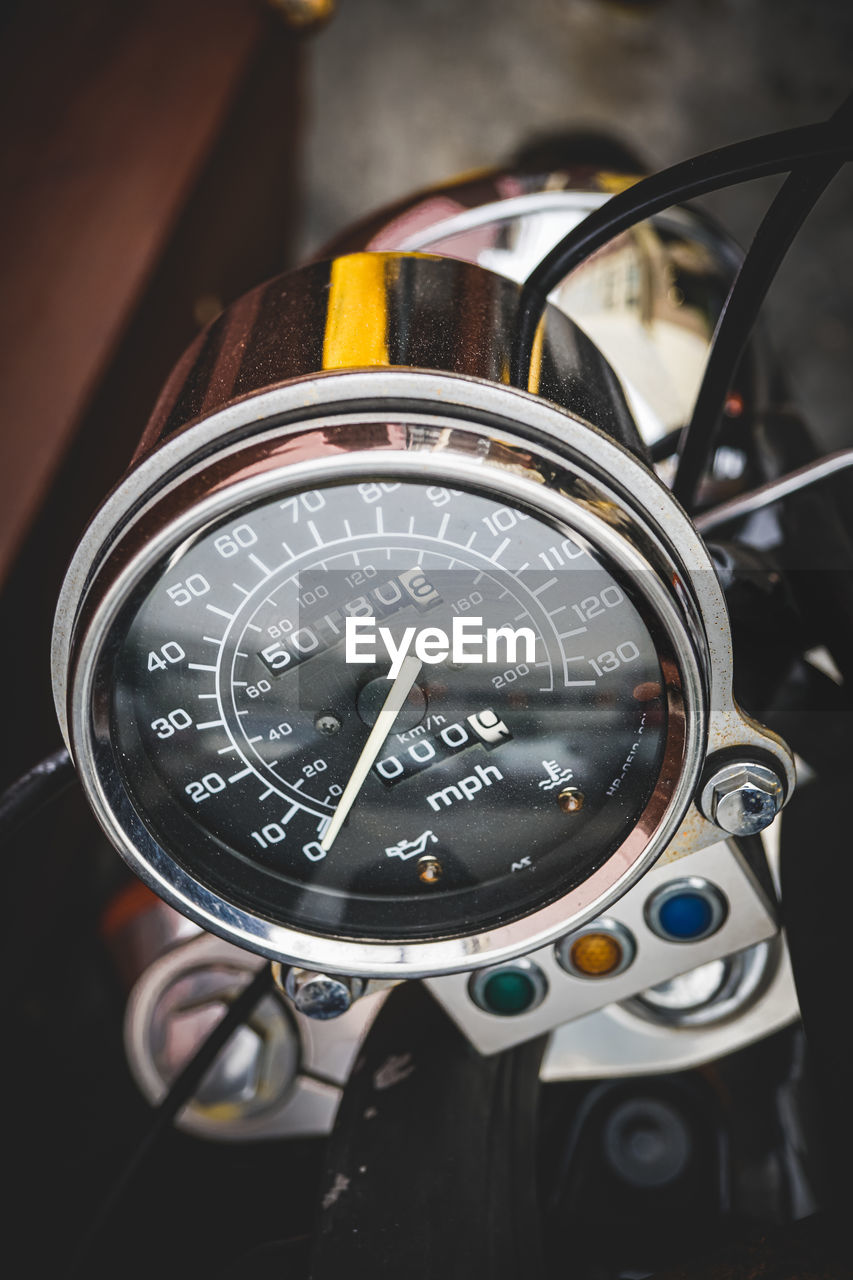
182 1090
49 778
771 242
742 161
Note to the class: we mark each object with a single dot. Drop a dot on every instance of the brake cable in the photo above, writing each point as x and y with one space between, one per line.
776 232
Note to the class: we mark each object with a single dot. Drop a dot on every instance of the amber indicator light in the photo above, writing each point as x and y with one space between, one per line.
596 954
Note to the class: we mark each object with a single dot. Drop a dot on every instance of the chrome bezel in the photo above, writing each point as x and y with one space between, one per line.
510 449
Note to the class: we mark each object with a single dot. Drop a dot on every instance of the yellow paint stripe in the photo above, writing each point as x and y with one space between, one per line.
357 314
535 374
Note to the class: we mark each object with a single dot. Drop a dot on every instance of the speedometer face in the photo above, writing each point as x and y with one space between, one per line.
388 710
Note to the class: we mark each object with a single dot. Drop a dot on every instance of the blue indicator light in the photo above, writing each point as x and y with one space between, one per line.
686 910
685 916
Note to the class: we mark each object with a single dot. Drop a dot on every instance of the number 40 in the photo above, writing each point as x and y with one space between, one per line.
170 653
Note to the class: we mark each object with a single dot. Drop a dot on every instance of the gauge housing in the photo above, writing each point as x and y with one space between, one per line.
219 446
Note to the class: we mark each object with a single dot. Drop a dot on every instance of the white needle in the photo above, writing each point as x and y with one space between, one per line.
397 695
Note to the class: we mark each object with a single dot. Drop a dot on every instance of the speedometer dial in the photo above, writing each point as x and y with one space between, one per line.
393 670
255 692
387 695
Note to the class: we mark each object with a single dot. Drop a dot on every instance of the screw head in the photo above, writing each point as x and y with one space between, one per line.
570 800
429 869
319 995
742 797
327 724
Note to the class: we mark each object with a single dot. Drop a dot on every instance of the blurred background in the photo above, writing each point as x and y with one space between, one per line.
406 93
160 158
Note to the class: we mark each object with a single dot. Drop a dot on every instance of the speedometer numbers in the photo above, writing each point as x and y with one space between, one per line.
254 669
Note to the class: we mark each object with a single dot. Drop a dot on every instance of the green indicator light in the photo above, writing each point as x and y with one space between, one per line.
508 992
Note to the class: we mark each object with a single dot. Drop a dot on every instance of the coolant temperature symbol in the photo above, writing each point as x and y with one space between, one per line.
554 775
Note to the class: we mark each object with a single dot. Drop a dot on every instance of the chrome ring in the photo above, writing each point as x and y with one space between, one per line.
596 516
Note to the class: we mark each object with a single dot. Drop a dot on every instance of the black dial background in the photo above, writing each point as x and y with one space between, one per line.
504 851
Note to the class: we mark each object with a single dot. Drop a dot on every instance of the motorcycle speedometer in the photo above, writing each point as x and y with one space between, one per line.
390 672
524 755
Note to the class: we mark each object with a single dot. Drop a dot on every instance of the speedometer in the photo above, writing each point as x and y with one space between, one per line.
394 676
533 723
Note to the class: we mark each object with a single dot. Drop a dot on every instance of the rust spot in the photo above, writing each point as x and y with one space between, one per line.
647 691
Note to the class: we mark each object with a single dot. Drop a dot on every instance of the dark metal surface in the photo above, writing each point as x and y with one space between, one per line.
430 1170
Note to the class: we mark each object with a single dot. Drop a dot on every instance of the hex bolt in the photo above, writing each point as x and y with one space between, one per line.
742 797
318 995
